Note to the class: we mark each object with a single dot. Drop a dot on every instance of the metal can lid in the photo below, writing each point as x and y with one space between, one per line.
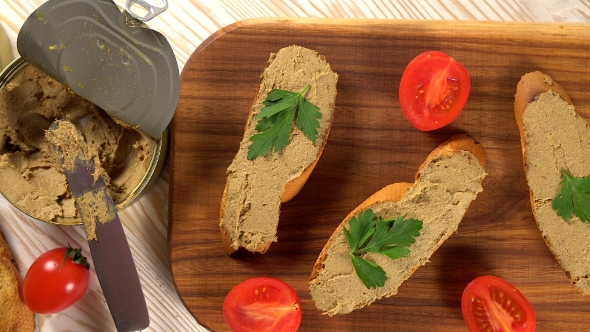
127 70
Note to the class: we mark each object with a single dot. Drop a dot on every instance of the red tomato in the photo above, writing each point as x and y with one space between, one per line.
492 304
56 280
433 90
262 304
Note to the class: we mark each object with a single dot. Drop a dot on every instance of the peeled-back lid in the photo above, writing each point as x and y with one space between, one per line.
91 46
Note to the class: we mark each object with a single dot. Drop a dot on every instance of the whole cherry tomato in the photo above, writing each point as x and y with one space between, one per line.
56 280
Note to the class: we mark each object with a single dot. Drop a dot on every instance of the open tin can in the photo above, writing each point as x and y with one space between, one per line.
34 100
98 66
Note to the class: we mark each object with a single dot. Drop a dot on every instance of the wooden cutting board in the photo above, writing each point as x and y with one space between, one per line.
371 144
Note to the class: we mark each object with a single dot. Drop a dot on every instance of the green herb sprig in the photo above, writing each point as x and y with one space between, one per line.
573 198
281 107
369 233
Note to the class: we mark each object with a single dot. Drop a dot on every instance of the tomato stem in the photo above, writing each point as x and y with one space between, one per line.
76 256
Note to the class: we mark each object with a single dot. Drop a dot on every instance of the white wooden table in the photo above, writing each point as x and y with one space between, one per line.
186 24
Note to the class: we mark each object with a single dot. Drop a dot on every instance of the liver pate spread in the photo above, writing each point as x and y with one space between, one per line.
556 137
30 174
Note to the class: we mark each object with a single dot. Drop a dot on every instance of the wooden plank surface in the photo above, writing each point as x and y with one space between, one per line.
371 144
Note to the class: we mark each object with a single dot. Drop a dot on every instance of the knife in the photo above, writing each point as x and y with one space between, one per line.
109 249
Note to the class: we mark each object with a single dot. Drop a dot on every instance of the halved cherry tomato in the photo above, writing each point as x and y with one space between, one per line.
262 304
56 280
433 90
492 304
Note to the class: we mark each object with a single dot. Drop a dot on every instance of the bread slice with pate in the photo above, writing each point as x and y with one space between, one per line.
554 137
445 184
256 187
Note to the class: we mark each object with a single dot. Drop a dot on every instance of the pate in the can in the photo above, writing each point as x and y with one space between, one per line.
30 175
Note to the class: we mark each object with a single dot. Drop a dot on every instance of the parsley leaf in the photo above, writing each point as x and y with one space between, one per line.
573 198
281 107
369 233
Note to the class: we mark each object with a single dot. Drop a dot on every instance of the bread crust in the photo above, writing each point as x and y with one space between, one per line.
395 192
14 313
290 188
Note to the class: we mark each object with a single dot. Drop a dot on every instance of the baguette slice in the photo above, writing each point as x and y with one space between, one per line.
445 185
553 136
255 189
14 313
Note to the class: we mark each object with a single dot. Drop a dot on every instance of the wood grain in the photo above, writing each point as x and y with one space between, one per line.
371 145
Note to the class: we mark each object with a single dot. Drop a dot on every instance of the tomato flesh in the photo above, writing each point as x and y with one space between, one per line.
262 304
491 304
433 90
49 287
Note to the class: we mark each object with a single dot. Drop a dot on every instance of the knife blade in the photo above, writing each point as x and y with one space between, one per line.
108 244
